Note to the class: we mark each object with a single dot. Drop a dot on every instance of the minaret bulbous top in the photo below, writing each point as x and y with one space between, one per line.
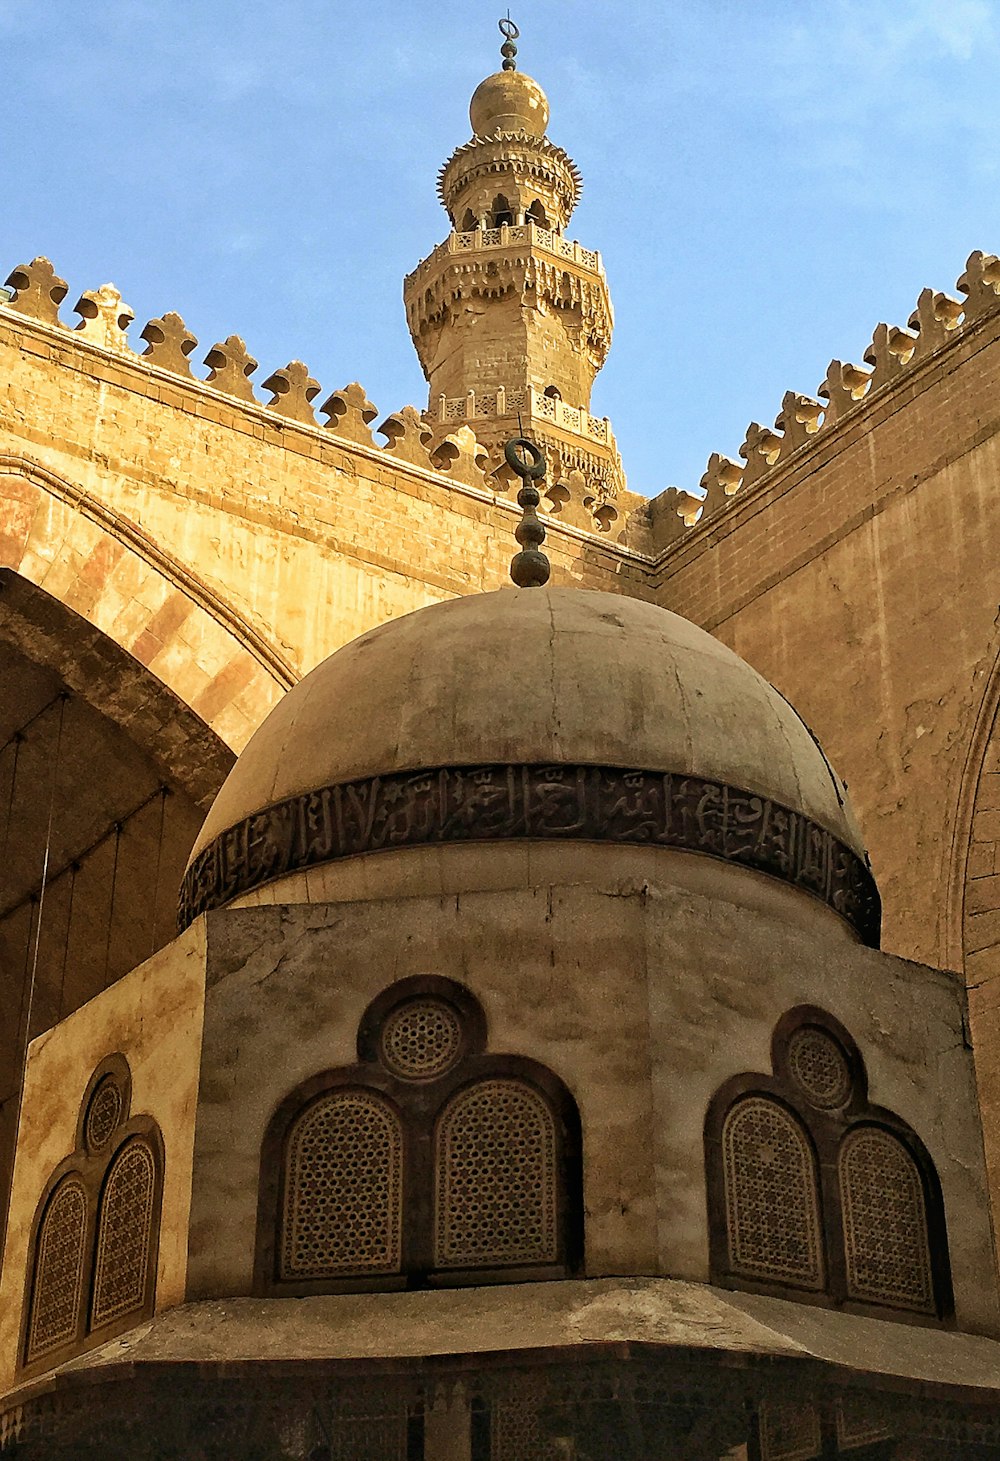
509 102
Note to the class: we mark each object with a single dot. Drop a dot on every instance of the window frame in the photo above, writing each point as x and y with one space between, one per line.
419 1102
827 1129
92 1168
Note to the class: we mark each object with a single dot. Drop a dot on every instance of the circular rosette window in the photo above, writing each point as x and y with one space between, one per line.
421 1039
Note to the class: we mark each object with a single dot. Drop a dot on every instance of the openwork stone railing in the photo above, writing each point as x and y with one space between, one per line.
894 351
517 233
501 402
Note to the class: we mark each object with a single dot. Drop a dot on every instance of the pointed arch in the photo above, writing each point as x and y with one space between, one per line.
429 1161
57 1273
771 1183
200 647
800 1162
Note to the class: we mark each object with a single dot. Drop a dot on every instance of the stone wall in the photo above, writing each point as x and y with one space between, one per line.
642 995
859 578
295 536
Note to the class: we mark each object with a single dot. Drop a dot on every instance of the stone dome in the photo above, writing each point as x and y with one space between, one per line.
509 101
548 678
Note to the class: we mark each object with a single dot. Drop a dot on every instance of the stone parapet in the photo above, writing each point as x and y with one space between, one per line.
547 239
530 402
804 425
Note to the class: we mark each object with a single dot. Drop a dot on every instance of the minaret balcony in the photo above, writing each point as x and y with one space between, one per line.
529 403
546 240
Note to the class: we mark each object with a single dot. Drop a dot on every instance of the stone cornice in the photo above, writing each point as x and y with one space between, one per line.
515 262
534 156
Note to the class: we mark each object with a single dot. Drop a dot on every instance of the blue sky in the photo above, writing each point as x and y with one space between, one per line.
766 181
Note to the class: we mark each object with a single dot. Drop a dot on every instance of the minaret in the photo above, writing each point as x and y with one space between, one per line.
511 319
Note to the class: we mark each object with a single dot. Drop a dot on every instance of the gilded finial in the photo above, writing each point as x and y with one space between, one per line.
508 50
530 568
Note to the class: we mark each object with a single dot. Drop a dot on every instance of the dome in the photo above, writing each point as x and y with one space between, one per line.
509 101
539 678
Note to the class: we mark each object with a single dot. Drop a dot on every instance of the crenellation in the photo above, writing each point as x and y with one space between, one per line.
798 420
230 365
937 320
39 291
350 414
760 452
169 342
462 457
292 389
936 316
889 353
104 318
408 437
842 388
720 480
980 283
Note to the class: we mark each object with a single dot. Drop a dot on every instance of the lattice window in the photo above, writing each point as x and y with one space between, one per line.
124 1234
772 1203
103 1114
885 1222
789 1431
818 1067
859 1422
379 1436
342 1211
516 1434
496 1188
421 1039
58 1270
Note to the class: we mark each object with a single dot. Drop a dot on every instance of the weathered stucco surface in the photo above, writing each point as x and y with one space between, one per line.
642 996
154 1018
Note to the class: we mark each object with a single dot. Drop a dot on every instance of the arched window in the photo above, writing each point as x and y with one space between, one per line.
58 1269
343 1189
501 212
885 1222
469 221
97 1227
553 393
815 1191
429 1161
772 1200
124 1234
495 1200
536 214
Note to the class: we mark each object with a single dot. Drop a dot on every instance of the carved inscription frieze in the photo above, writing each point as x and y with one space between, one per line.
493 803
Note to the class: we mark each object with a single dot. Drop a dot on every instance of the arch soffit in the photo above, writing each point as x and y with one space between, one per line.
106 569
955 944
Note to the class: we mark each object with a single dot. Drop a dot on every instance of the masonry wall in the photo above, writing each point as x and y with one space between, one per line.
307 535
861 579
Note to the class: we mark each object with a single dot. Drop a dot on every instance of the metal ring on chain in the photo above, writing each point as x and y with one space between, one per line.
530 470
